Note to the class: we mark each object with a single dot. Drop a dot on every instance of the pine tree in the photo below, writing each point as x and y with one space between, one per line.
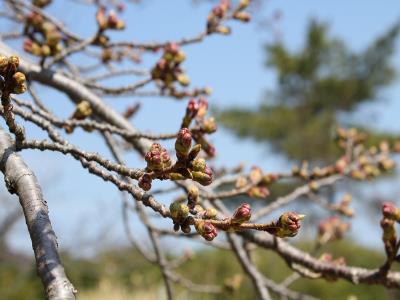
314 86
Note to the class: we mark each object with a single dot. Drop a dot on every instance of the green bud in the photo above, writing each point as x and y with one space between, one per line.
176 176
194 152
199 164
179 211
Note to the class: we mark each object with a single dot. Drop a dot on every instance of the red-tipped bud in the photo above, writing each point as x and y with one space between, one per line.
192 108
145 182
287 225
203 177
203 107
242 213
157 158
390 211
183 143
206 230
172 48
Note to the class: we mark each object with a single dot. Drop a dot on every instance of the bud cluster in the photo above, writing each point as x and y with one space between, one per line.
304 172
188 166
220 13
50 42
13 82
157 158
344 136
287 225
108 54
258 183
343 206
197 110
168 70
332 229
110 21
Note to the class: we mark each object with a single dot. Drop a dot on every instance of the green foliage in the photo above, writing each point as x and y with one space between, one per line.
127 269
315 85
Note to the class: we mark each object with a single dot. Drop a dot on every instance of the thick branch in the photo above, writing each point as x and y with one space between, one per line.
21 180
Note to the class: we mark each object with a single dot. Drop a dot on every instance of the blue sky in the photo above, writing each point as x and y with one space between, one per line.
83 206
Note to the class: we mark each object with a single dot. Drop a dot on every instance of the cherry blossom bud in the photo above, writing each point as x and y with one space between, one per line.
113 22
179 57
172 48
313 186
199 164
192 108
390 211
332 229
242 213
206 230
243 4
193 196
258 192
241 182
242 16
183 79
82 111
389 236
269 178
176 176
341 165
210 213
194 152
179 211
255 175
3 63
19 86
287 225
209 126
101 18
183 143
204 178
145 182
203 107
157 158
225 30
14 61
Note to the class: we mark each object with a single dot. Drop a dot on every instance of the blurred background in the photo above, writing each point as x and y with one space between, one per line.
281 85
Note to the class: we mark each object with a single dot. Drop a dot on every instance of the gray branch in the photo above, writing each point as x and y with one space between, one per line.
21 181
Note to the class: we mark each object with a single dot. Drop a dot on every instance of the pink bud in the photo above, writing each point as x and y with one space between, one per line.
242 213
389 210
